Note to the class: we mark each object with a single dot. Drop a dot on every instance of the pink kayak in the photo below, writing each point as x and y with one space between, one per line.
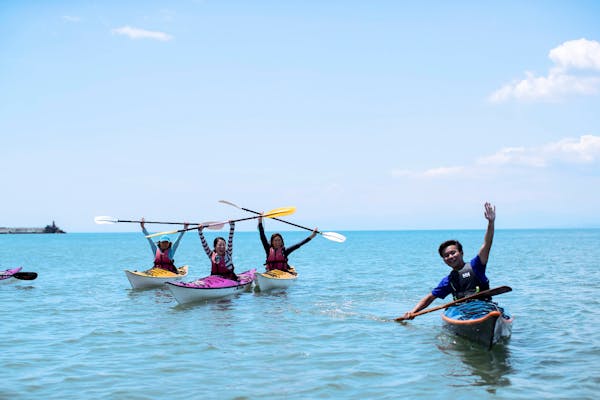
9 273
210 287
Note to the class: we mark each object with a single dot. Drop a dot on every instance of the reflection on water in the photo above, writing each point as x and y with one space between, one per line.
158 295
489 368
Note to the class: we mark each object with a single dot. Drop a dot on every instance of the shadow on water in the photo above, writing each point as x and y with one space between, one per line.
159 295
222 304
281 293
488 368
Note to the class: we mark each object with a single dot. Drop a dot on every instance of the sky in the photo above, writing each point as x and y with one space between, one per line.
378 115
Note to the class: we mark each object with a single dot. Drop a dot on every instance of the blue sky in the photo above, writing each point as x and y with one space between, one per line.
363 115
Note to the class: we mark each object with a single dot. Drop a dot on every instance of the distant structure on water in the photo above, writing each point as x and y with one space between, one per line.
48 229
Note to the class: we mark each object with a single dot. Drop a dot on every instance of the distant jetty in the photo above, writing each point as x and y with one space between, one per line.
47 229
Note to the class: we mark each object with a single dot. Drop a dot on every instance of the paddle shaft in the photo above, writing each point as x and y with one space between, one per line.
276 219
282 211
485 293
159 222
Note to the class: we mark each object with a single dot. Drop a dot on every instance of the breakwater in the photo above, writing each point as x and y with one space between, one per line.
47 229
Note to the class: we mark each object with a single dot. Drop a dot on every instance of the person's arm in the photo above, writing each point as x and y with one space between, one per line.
205 246
424 303
230 251
145 232
230 238
263 239
490 215
176 244
288 250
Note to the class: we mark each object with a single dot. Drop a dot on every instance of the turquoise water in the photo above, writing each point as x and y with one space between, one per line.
79 331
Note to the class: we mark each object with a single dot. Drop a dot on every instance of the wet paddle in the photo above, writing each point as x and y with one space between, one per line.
102 220
26 276
333 236
277 212
484 293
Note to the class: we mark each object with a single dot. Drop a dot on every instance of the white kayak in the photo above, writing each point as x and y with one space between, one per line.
210 287
276 279
154 277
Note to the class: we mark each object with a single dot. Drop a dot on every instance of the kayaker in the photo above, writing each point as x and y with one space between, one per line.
466 278
164 250
221 256
276 252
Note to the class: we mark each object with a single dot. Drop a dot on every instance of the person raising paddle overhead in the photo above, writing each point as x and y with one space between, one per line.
276 252
164 250
221 257
466 278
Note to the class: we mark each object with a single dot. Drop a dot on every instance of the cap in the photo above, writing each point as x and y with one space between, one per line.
164 238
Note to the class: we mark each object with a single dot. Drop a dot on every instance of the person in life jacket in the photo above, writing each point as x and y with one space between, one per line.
221 256
164 250
465 279
276 252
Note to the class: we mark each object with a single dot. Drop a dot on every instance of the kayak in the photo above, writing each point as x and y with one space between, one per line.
275 279
210 287
154 277
483 322
9 273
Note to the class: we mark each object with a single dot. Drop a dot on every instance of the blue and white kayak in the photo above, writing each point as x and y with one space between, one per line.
483 322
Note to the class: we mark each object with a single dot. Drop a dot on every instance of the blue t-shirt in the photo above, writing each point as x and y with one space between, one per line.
443 289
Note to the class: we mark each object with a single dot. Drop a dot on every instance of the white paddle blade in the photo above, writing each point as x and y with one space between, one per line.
334 237
229 203
105 220
215 226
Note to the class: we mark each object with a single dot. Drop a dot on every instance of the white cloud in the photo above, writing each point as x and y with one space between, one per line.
582 150
514 156
581 54
136 33
443 171
439 172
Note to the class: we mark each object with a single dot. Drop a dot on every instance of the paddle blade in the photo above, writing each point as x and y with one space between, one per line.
334 236
215 226
280 212
26 276
161 233
230 203
105 220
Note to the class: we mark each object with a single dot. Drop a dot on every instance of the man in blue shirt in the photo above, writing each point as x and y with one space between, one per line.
465 278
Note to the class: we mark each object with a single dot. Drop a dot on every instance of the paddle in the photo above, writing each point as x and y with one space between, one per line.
26 276
333 236
485 293
277 212
111 220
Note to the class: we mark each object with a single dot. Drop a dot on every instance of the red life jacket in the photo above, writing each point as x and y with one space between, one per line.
162 260
277 260
219 267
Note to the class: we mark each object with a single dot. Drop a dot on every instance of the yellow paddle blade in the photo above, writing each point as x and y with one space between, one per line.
162 233
280 212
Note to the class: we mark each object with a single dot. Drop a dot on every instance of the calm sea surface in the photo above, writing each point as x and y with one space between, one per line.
79 331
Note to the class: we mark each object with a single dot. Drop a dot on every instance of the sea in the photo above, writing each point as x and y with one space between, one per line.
79 331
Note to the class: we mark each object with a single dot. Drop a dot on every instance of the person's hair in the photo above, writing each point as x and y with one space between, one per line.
450 243
273 236
217 241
